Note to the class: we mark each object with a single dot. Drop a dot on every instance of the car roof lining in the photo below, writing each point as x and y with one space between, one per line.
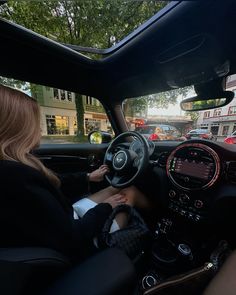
136 68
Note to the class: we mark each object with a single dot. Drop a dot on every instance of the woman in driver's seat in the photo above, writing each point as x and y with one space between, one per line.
34 211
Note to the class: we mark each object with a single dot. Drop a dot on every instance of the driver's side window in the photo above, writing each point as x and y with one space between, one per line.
66 117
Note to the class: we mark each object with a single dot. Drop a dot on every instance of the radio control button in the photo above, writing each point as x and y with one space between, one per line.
184 198
197 217
198 204
182 212
186 179
172 194
190 215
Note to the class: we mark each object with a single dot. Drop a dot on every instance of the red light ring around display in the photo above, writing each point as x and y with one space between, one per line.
201 146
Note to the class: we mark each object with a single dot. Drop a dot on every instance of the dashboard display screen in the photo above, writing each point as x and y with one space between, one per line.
200 170
193 166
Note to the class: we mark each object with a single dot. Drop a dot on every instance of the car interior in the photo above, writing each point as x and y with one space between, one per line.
191 185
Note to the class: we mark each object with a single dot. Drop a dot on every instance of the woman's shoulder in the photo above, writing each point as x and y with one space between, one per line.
17 170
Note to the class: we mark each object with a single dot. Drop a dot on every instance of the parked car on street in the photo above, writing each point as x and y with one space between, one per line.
156 132
231 139
199 133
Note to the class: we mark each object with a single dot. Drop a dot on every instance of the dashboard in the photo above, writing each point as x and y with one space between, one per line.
197 174
190 178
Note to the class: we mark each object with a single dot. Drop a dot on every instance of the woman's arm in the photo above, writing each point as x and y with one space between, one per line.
76 183
36 214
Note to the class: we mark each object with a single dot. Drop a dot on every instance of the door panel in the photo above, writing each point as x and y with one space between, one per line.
63 158
69 158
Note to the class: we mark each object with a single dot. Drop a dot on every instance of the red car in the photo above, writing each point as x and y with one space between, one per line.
231 139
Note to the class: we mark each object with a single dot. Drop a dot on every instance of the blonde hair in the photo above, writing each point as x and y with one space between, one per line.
20 130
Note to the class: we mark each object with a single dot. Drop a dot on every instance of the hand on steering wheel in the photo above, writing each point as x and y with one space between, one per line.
125 165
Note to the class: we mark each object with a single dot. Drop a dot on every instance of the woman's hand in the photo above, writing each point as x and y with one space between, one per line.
98 175
116 200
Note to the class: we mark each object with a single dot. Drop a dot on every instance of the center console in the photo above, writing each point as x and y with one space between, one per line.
177 260
192 170
193 208
182 241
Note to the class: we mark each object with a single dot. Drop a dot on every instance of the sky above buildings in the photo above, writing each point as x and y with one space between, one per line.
172 110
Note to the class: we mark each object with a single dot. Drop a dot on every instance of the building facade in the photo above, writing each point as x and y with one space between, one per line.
58 112
221 121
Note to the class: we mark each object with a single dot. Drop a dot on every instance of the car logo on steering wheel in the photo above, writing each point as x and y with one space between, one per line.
119 160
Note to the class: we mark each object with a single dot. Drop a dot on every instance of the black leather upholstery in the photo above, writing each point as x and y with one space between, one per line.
29 270
108 273
34 256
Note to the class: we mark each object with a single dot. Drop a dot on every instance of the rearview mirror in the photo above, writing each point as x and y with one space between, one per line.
198 103
99 137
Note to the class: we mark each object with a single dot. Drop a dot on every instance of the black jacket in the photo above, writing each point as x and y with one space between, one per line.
35 213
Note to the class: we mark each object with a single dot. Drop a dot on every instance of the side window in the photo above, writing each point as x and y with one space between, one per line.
159 130
166 129
61 118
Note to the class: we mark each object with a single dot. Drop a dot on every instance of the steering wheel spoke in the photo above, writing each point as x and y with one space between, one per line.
136 162
109 158
116 179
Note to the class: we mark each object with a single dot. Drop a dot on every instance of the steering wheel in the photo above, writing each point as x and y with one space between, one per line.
126 165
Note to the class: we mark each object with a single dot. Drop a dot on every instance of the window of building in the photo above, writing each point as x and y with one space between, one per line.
57 125
63 95
55 93
232 110
206 114
217 112
215 128
89 100
69 96
234 127
225 130
204 126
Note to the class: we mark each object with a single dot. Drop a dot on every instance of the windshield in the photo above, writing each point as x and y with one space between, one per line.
159 117
145 129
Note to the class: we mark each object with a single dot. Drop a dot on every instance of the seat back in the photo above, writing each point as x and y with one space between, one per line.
29 270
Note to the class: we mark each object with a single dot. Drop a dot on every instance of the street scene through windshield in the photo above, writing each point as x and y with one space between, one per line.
159 117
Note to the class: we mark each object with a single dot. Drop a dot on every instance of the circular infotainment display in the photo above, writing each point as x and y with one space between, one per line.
193 166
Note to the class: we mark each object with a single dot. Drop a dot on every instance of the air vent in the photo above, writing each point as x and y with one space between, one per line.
231 171
162 160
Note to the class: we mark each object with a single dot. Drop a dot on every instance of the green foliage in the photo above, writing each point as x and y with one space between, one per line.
159 100
96 23
194 116
14 83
